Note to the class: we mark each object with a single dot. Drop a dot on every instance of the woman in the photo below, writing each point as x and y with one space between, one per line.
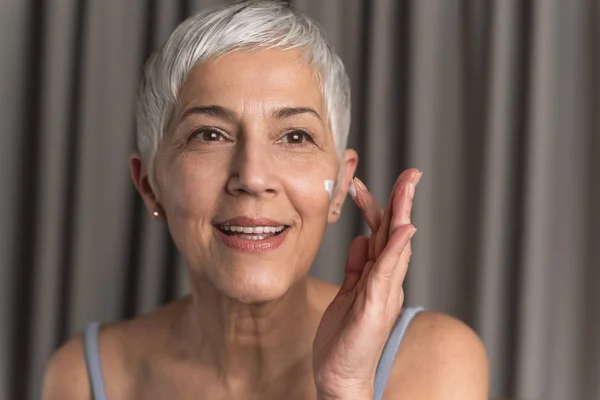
242 124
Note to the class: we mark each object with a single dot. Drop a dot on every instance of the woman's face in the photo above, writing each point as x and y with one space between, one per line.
249 148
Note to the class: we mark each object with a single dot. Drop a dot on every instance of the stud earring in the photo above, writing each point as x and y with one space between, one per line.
335 212
156 214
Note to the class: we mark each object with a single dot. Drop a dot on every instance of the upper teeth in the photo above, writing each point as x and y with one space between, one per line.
253 229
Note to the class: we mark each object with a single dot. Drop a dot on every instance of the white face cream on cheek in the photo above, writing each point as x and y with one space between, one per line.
329 187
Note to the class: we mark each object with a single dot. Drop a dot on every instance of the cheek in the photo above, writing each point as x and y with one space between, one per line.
193 184
308 186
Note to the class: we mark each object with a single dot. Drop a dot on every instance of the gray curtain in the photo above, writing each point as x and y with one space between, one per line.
496 101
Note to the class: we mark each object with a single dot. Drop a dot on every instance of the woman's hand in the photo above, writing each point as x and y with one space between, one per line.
357 323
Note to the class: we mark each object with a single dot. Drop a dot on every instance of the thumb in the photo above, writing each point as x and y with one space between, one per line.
358 256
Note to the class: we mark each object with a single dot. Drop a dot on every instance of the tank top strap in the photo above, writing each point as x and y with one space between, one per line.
92 360
391 348
94 365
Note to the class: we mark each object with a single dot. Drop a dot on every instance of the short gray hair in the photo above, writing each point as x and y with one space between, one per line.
249 25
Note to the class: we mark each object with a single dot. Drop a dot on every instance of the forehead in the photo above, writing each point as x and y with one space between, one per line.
243 78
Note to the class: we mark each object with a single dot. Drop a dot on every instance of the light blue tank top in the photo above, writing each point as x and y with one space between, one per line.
94 366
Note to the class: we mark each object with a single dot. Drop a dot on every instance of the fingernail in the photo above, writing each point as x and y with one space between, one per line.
352 189
419 175
359 183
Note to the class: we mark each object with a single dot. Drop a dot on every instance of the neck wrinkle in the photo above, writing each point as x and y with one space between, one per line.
250 344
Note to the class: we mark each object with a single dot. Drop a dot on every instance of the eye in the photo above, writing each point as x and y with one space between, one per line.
208 135
296 137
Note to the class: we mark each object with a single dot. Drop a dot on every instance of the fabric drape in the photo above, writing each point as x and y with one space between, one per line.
496 101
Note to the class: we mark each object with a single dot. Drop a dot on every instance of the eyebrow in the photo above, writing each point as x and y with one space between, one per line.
229 115
213 111
287 112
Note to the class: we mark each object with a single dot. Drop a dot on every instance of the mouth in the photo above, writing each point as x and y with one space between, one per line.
252 232
251 235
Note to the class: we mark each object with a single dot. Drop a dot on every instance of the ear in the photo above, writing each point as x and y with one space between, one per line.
348 165
139 175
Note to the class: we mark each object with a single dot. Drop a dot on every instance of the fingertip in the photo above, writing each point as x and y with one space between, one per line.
357 191
360 241
360 184
352 189
418 176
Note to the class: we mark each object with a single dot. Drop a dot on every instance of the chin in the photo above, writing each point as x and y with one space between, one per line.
256 287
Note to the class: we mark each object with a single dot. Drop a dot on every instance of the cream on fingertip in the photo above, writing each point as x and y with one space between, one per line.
352 189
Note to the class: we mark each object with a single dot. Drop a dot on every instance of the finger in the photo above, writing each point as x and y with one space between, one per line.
402 268
356 261
382 235
368 204
398 209
403 201
402 206
372 211
389 261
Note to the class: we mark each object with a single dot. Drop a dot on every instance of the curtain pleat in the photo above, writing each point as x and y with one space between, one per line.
497 102
500 215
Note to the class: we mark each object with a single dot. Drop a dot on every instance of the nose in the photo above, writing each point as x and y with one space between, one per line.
252 169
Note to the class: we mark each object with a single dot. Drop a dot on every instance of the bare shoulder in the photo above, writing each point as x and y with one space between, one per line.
67 377
121 345
440 357
66 373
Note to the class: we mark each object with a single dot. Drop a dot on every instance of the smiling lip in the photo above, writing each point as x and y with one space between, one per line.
247 245
247 221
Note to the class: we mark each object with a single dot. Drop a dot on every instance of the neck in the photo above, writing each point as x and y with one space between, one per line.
250 344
